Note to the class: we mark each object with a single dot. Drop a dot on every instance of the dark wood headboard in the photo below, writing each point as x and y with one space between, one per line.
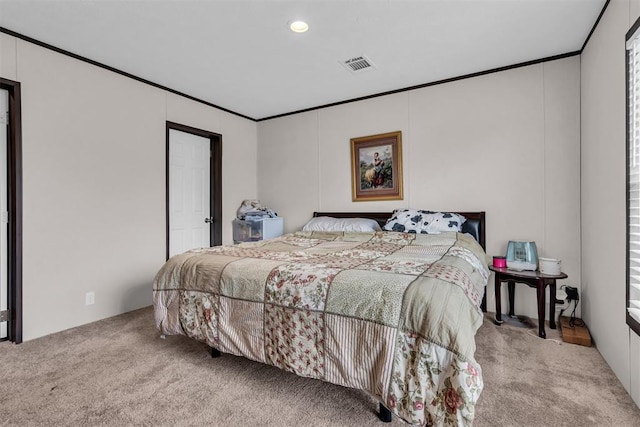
474 225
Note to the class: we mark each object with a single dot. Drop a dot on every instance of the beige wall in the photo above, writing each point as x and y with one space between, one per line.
8 57
603 193
94 183
507 143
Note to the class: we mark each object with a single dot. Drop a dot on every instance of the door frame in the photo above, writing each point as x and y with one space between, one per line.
14 204
215 177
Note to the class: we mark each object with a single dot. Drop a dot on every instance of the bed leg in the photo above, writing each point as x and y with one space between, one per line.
385 414
214 352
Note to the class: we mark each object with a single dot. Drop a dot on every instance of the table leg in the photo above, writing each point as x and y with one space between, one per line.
512 297
541 304
498 302
552 304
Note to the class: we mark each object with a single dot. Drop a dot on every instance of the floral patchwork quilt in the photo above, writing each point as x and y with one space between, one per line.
394 314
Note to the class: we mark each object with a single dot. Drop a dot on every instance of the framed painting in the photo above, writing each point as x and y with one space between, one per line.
376 167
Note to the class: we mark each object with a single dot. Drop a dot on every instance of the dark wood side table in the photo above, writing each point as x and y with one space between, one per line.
534 279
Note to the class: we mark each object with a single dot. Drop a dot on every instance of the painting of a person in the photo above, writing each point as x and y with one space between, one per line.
378 164
376 167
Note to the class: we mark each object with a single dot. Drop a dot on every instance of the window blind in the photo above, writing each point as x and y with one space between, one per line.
633 177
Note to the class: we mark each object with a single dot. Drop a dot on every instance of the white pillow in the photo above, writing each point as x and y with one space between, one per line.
326 223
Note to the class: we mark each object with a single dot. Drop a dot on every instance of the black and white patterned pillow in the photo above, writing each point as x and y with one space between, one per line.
444 221
423 221
406 221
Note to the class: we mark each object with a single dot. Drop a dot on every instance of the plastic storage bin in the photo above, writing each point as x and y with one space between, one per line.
252 231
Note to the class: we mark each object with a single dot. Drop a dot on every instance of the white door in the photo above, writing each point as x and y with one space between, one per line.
4 216
189 192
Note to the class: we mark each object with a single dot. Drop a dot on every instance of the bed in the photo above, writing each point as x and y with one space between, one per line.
391 313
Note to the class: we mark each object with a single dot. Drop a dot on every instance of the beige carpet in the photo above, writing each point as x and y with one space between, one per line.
119 372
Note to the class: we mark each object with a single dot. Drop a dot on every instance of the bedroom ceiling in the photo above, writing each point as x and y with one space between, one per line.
240 55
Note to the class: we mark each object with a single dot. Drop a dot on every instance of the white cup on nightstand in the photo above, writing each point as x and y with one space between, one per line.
550 266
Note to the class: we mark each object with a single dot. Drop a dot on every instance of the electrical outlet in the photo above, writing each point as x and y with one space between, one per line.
90 298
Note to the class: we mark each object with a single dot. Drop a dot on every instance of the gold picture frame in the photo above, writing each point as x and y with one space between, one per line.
376 167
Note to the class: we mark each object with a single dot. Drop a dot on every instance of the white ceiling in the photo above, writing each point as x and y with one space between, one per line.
241 56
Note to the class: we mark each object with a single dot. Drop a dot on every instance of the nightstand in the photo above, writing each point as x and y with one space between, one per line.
534 279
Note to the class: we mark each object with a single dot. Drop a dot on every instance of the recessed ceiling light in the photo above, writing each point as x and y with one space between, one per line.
299 26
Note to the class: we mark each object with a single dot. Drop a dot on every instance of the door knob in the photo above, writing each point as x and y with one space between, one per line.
209 220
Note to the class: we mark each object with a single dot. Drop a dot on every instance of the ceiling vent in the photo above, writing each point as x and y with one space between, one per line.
358 64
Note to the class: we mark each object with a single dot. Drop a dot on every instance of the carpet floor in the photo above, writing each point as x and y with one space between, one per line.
118 371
